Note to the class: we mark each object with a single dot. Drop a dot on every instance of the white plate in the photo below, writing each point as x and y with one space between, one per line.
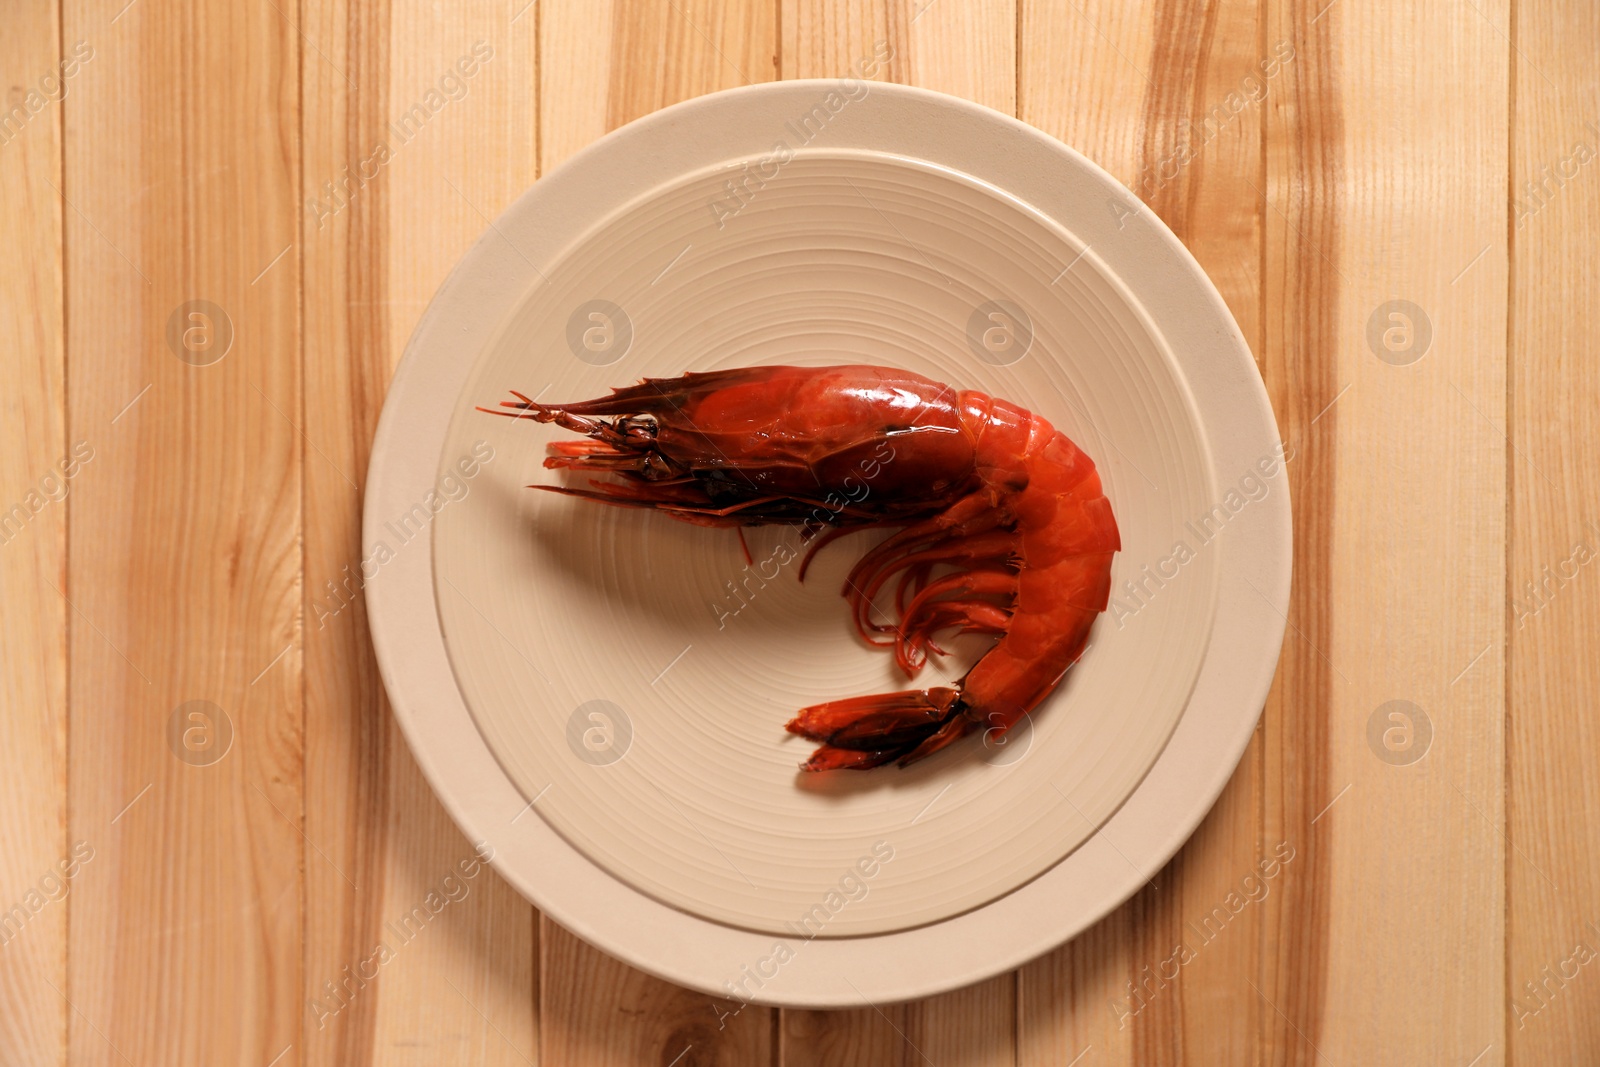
595 663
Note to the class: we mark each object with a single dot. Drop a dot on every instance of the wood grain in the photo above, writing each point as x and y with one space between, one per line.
33 548
606 64
419 128
969 50
184 569
226 896
346 359
1552 873
1157 982
1401 196
598 1010
1301 304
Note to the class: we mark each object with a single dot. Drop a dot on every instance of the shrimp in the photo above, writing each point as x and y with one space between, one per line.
1003 526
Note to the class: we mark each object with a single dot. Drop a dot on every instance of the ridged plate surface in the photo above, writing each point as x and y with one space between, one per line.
632 674
673 830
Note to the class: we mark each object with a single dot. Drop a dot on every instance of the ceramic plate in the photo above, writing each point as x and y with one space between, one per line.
599 694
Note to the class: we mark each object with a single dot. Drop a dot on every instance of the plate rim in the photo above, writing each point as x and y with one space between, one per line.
391 595
1079 253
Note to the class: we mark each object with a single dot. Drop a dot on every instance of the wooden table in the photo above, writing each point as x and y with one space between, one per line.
189 882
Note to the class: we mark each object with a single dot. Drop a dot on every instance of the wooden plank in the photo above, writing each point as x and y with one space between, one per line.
598 1010
35 455
1386 182
420 125
968 50
1381 178
603 66
1302 308
346 363
1155 983
1552 872
180 175
975 1025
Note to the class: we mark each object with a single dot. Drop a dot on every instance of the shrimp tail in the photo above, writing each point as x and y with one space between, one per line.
861 732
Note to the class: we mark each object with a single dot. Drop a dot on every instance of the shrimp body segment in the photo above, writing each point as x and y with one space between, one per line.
1003 525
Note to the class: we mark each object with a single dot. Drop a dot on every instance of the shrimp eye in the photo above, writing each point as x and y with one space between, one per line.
656 466
638 426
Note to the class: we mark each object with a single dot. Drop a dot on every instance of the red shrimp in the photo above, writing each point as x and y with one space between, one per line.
1004 527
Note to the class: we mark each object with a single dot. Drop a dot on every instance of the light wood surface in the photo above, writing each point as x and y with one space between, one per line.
462 985
1552 880
178 889
33 561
